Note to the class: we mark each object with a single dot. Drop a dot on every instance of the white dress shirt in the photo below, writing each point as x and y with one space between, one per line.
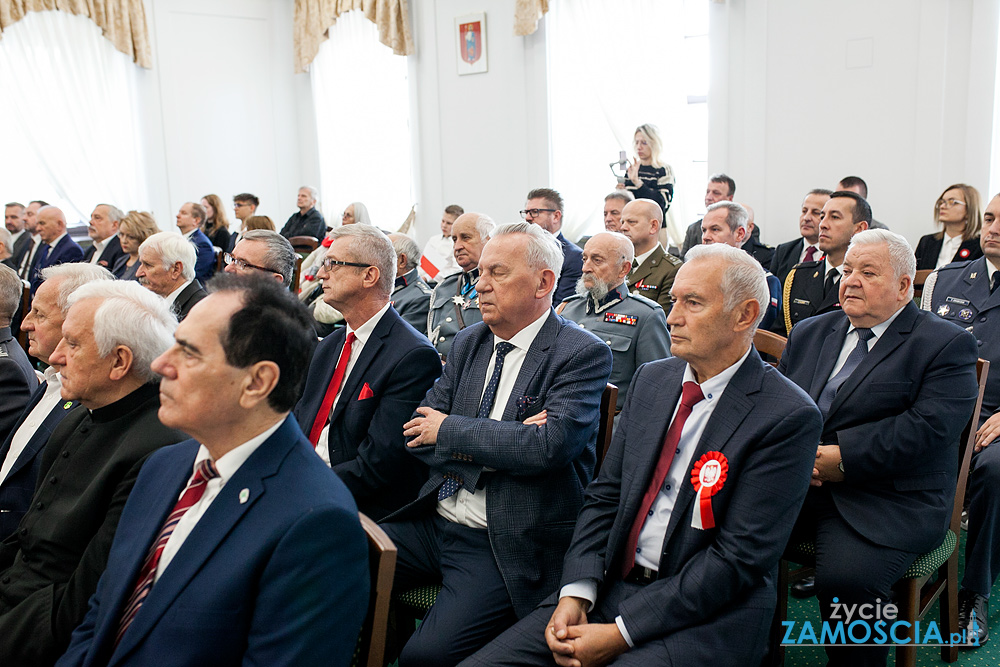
827 266
468 507
227 465
29 257
362 334
949 246
805 248
99 247
639 259
654 529
52 398
851 341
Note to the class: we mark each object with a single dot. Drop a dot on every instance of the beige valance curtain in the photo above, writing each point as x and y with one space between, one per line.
313 19
123 22
526 15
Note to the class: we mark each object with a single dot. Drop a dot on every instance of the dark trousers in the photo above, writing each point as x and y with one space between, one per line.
851 569
982 551
473 606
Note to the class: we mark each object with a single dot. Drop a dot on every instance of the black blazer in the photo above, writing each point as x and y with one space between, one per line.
929 247
367 448
786 255
189 296
897 419
109 256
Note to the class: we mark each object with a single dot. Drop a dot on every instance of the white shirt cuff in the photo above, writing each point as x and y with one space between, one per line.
585 589
620 622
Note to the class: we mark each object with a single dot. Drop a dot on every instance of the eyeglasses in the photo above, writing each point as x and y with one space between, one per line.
328 264
240 204
123 235
242 265
949 203
533 212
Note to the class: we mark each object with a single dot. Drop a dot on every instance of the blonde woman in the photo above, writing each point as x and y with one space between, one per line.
957 211
648 176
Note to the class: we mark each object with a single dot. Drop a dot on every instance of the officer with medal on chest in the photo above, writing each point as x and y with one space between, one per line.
411 296
813 288
455 302
968 294
634 327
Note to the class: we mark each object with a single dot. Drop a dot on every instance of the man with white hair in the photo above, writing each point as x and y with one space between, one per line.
21 452
6 246
106 249
17 379
50 567
896 385
455 302
411 296
508 433
166 267
366 379
634 327
307 221
675 550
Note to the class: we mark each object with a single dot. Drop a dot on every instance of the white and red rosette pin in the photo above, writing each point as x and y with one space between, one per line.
707 477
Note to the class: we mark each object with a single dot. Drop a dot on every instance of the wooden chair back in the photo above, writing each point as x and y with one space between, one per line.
609 403
304 244
918 283
382 562
769 343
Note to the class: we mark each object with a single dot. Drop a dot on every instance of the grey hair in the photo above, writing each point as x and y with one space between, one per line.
623 245
114 213
280 256
736 215
485 226
132 316
73 276
313 192
5 239
11 289
901 257
623 195
172 248
370 246
361 216
404 245
544 250
743 278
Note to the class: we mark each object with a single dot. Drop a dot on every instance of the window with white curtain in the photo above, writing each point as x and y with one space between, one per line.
70 114
362 105
612 66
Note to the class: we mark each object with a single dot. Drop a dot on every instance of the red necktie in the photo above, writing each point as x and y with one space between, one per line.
144 584
810 254
690 396
331 392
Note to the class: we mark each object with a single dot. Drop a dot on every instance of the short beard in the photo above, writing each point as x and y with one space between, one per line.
597 292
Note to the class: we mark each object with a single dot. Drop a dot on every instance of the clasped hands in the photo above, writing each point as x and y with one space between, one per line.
576 643
827 467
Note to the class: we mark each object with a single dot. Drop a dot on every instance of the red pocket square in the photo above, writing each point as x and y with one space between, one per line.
366 392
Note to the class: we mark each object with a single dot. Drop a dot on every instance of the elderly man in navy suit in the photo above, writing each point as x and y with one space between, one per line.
238 546
896 385
56 245
674 556
367 378
21 452
508 433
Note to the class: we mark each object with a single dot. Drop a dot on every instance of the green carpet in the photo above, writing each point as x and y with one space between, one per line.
986 656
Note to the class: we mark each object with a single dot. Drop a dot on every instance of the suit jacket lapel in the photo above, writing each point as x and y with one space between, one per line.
533 359
473 380
368 354
644 270
828 355
733 408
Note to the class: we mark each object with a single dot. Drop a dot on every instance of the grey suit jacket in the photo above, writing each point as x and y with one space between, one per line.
533 476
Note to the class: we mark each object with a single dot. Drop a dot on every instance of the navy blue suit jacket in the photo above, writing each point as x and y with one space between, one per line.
274 573
65 251
19 485
17 381
572 269
204 265
367 448
715 586
897 419
533 476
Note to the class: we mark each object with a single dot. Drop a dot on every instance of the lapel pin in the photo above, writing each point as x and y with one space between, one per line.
244 495
67 405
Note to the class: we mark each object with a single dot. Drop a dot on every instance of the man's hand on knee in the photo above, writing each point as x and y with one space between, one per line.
570 612
596 644
988 432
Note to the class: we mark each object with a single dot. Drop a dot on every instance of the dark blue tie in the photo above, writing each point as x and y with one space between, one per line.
43 254
453 482
854 359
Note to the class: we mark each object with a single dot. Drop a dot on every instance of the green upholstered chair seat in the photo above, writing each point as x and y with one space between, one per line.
924 565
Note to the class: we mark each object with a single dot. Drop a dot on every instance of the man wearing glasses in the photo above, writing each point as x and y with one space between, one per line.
261 250
245 205
366 379
545 209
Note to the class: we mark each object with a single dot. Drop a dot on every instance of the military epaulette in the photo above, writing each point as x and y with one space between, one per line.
575 297
673 259
809 265
645 300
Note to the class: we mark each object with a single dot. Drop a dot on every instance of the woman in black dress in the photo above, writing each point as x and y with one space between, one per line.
957 211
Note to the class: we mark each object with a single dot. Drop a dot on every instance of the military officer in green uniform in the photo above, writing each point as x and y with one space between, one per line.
411 296
454 303
634 327
653 268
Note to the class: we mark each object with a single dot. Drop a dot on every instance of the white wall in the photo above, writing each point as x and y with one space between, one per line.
899 92
224 112
480 140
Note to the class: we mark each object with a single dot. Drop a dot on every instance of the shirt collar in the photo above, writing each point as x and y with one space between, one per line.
125 404
828 266
713 387
615 295
406 278
170 298
230 462
364 332
880 328
991 267
639 259
523 338
99 246
56 242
